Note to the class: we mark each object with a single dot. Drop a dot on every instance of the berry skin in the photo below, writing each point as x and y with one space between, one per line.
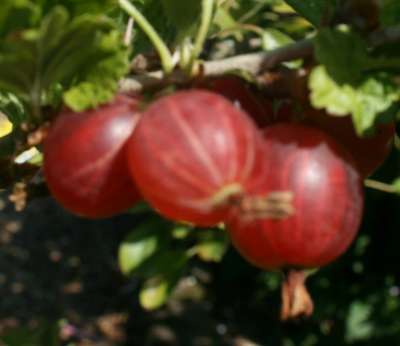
85 162
238 91
191 153
328 202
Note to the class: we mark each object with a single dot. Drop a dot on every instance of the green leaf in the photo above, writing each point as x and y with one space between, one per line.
17 15
183 15
212 245
396 141
141 244
155 292
347 58
6 126
344 55
372 97
364 102
358 326
166 273
181 231
396 186
44 335
7 146
390 12
154 12
85 56
12 108
223 19
164 261
100 83
313 10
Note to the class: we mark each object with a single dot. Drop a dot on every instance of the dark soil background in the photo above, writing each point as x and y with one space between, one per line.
56 268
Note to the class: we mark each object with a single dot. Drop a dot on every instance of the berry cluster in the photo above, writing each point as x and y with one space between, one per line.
288 187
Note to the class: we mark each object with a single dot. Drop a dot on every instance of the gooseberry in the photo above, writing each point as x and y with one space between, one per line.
192 153
327 201
85 162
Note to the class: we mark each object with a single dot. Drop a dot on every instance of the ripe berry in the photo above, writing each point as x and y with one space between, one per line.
327 200
85 161
191 153
369 152
238 91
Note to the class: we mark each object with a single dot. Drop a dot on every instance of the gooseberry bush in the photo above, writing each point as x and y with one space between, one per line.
255 123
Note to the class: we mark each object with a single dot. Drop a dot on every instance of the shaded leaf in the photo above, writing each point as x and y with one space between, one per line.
396 186
183 15
6 126
344 55
155 292
313 10
165 273
358 326
84 55
390 12
12 108
212 245
141 244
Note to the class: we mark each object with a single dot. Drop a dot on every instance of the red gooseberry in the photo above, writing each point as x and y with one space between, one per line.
192 153
327 201
85 162
239 92
369 151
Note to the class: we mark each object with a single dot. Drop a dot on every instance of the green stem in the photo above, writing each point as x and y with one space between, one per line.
206 19
185 51
148 29
377 185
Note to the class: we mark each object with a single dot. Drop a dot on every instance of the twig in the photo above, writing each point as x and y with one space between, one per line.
129 32
253 63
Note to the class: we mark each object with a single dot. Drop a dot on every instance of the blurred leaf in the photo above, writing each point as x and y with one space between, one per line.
364 103
140 207
223 19
212 245
32 155
396 141
44 335
154 11
396 185
166 273
17 15
273 39
390 12
85 53
183 15
101 81
142 243
313 10
7 146
18 337
181 231
155 292
358 326
344 55
5 126
12 108
164 262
